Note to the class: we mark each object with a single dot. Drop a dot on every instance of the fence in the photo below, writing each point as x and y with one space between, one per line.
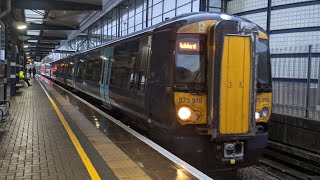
295 77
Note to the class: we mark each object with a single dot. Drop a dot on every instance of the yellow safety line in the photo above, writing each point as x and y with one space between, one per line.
92 171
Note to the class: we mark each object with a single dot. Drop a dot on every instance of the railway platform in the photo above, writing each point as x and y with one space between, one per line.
51 134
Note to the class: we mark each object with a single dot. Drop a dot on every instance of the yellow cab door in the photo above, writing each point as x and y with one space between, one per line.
235 85
233 93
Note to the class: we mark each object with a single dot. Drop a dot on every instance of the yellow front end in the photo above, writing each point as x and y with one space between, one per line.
235 86
191 108
263 107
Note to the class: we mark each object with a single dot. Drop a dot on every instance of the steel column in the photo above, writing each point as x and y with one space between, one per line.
269 16
203 5
308 82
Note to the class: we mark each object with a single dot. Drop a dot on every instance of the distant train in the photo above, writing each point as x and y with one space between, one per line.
199 83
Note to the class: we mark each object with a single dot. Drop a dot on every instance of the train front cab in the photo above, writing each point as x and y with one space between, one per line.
219 62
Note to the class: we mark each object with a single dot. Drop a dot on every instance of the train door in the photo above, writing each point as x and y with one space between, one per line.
141 75
233 78
107 56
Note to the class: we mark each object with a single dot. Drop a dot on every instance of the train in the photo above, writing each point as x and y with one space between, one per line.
199 84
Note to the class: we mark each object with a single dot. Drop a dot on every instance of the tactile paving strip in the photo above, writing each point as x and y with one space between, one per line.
122 166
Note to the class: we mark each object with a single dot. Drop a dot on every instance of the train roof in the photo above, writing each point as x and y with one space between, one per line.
188 17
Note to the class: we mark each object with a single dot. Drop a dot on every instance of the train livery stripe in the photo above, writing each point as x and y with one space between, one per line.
85 159
235 85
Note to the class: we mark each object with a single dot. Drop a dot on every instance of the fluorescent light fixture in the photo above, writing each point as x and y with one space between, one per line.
26 46
22 26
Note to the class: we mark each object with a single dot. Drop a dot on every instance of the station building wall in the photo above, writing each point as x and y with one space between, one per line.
294 25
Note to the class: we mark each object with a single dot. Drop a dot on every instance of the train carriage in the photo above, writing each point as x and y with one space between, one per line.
199 83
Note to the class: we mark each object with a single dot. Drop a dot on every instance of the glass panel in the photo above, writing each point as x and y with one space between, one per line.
131 11
189 59
149 13
214 10
130 30
138 27
168 5
187 67
182 2
264 77
156 20
215 3
125 57
124 25
138 18
131 22
139 7
124 33
114 31
184 9
157 10
195 6
169 14
156 1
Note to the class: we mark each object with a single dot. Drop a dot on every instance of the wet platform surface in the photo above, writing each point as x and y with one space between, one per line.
36 145
150 161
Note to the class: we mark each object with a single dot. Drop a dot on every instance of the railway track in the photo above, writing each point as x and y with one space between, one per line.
290 163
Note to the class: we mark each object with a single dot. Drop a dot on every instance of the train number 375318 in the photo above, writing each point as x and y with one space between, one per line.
190 100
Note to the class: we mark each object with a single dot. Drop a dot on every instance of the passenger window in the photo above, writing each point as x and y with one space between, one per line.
81 68
123 65
142 75
97 63
89 68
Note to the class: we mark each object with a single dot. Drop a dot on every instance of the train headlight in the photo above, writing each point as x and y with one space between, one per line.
264 112
184 113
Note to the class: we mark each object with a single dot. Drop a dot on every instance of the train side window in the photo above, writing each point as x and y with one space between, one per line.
89 67
143 65
97 67
123 67
81 68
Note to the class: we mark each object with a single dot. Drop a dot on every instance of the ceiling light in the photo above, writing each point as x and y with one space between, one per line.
26 46
22 26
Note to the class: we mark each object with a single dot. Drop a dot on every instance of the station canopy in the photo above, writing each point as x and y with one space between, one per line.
50 21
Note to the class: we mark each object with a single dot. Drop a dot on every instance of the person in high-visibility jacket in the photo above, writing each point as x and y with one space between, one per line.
21 74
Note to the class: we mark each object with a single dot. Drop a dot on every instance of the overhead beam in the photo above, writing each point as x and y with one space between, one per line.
48 43
50 27
37 50
47 38
63 51
41 44
37 53
32 47
55 5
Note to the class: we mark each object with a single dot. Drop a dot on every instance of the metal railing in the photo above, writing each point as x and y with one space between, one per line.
295 77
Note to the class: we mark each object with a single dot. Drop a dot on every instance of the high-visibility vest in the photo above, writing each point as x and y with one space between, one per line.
21 74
